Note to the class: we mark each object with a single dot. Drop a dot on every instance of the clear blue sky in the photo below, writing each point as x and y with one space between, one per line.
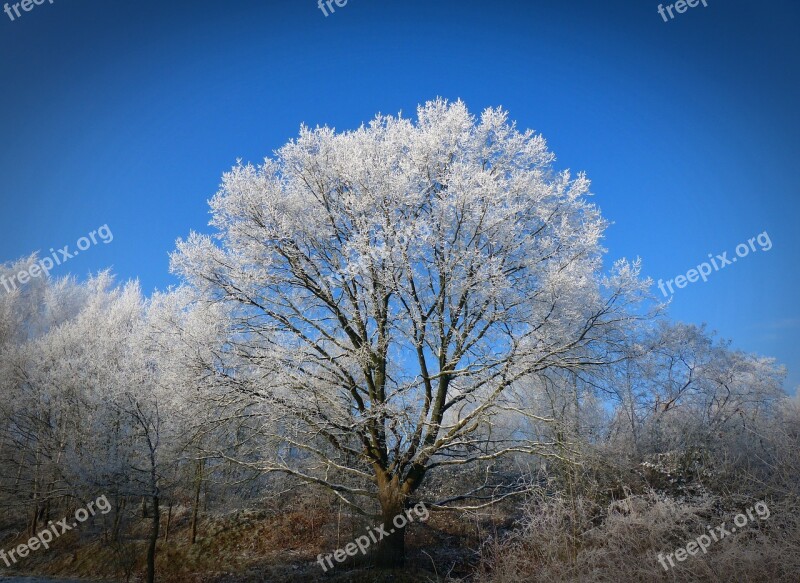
128 112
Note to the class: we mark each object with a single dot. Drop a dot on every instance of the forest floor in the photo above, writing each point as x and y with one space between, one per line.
271 544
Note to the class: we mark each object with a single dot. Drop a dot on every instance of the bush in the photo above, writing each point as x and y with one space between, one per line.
578 540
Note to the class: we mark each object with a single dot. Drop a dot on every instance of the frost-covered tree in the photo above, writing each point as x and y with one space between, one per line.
391 286
182 340
42 378
681 385
93 402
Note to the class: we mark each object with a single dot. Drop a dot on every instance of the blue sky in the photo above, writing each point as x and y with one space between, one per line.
127 113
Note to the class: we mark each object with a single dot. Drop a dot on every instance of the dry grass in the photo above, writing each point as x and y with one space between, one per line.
570 541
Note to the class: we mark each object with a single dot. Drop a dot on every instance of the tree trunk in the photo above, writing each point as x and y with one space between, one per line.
35 494
169 520
119 508
15 490
195 508
34 519
151 547
391 550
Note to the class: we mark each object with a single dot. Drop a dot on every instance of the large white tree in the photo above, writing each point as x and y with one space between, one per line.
392 287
